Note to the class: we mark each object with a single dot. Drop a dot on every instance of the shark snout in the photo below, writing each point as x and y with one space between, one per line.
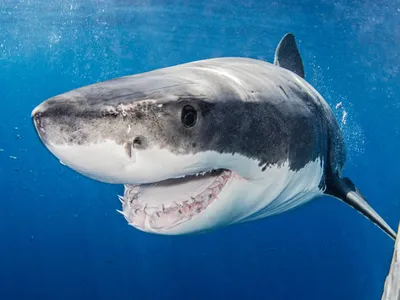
38 121
38 110
37 114
41 114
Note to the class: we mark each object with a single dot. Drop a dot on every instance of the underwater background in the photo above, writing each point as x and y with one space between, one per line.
60 236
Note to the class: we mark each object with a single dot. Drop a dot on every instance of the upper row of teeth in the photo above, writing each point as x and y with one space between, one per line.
197 174
132 191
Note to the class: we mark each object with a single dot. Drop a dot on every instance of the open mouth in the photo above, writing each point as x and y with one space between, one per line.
168 203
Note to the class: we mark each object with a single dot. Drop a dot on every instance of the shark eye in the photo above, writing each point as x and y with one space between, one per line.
189 116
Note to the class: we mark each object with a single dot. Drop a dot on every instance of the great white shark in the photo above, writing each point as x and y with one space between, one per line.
205 144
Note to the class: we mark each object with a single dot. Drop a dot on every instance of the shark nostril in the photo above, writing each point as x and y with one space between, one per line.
137 141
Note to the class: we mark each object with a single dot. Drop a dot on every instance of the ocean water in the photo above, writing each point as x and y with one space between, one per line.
60 235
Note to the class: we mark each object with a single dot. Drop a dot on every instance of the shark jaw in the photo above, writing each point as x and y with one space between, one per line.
161 206
205 201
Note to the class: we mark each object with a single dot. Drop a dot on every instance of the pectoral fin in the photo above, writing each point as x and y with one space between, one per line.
345 190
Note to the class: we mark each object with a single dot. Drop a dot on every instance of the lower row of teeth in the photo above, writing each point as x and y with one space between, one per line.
137 213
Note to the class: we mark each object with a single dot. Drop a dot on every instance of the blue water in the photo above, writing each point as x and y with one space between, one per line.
60 236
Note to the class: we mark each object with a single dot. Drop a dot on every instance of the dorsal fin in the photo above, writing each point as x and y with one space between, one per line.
287 55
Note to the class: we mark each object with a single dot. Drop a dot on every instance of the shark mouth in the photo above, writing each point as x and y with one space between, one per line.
165 204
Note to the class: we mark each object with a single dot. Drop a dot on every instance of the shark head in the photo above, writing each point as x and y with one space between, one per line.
189 143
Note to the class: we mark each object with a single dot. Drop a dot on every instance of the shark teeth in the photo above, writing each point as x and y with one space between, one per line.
163 216
202 173
121 212
206 172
